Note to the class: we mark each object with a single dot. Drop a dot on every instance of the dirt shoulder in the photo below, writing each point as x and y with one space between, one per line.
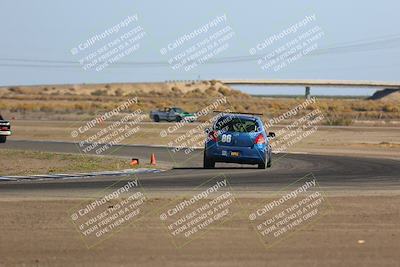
359 231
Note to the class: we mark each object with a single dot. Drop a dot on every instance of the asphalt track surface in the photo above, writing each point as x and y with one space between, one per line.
331 172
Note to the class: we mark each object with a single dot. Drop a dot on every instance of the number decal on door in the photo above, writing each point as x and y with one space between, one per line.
226 138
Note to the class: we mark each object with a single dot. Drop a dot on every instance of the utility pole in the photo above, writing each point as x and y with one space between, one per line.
308 94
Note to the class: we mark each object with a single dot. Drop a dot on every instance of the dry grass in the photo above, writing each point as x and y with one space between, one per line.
84 101
21 162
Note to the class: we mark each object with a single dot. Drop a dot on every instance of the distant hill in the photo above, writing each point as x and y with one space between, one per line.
386 95
199 89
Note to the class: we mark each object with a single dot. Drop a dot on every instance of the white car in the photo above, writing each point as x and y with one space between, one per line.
172 114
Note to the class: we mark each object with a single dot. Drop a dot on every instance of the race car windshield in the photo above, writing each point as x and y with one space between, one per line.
178 110
237 125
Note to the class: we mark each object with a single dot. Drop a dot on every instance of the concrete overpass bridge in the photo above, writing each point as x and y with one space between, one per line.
308 83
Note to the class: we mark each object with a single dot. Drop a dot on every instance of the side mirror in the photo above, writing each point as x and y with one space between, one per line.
271 134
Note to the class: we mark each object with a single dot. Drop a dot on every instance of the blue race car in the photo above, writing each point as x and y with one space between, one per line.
238 138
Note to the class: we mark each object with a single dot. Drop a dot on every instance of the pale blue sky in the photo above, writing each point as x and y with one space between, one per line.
48 29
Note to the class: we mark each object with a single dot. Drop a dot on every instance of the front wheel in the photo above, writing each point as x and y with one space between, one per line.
3 139
156 118
208 163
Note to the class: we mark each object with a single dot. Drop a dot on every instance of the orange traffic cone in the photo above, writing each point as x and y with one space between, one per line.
134 162
153 160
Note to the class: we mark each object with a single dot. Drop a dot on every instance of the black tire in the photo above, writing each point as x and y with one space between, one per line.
261 165
269 163
178 118
3 139
208 163
156 118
